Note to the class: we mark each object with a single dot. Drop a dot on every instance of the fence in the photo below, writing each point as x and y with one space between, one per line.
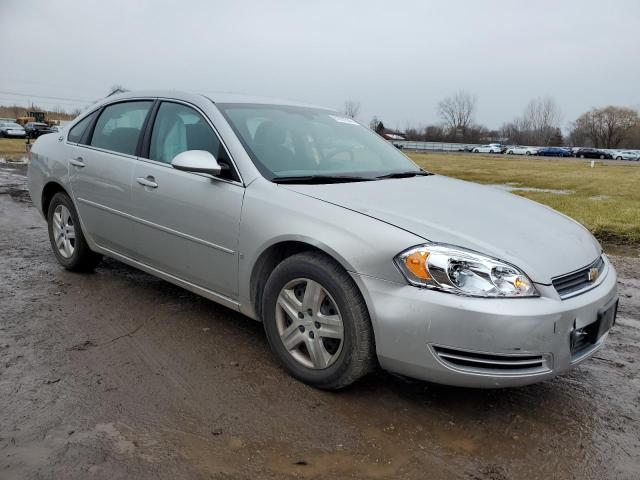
432 146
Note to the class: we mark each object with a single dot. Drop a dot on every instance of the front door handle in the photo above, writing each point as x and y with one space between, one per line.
147 182
77 162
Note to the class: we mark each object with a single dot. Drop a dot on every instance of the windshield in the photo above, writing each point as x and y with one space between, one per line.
294 142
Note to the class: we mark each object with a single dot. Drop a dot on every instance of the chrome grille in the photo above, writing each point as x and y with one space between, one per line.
479 362
576 282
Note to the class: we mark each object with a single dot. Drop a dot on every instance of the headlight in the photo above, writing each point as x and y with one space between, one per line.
456 270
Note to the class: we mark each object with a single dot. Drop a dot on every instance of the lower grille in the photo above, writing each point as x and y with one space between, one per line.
478 362
581 280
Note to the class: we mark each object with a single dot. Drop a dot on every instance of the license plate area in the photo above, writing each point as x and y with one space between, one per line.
583 339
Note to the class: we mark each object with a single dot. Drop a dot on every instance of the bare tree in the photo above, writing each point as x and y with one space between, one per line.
457 112
607 127
541 118
351 108
538 124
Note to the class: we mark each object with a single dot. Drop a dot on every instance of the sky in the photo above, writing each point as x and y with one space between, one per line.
398 59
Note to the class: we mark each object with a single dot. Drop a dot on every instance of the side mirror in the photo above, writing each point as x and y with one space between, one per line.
197 161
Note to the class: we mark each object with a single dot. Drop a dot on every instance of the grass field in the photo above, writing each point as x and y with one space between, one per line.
606 198
12 146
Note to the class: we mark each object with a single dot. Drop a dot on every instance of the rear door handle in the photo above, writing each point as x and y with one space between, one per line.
147 182
77 162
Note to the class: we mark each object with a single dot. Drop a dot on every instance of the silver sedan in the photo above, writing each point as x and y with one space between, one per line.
351 255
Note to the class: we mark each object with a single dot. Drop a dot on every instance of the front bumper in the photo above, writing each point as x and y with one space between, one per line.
480 342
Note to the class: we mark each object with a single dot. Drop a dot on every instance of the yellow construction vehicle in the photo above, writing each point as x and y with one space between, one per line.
36 116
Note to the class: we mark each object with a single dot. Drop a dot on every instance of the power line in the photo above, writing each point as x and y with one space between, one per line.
45 97
51 85
46 102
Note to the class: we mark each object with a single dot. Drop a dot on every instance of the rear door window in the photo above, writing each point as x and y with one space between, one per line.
118 127
76 133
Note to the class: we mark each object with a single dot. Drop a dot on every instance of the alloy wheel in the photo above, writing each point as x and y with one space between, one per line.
64 232
309 323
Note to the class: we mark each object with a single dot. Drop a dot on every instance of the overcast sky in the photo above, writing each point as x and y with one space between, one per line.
398 58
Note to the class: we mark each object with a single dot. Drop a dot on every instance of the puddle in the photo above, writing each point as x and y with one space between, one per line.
17 159
515 187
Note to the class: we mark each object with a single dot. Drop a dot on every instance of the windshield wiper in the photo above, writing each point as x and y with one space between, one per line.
412 173
321 179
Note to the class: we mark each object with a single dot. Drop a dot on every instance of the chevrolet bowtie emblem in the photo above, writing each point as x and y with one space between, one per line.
593 274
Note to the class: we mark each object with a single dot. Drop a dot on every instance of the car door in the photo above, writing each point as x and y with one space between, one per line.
101 170
188 223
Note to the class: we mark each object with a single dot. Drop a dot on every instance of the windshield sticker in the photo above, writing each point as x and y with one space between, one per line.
350 121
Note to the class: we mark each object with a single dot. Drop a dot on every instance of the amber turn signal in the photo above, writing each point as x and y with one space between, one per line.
417 264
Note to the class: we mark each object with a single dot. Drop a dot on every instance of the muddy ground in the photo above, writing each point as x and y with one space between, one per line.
119 375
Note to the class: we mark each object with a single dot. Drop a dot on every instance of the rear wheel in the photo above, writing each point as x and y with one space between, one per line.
601 157
581 156
66 237
317 323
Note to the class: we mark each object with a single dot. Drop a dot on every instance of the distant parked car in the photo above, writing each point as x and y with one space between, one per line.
592 153
554 152
626 155
492 148
35 129
521 150
11 130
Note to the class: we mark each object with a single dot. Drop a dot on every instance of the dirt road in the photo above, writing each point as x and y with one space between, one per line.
118 375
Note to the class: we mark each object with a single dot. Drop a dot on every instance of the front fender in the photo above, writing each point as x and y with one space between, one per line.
272 214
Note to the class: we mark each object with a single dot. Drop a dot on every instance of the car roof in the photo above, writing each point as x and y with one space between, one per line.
220 97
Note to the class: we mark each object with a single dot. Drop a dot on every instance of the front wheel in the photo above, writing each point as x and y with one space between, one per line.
317 323
66 237
601 157
476 151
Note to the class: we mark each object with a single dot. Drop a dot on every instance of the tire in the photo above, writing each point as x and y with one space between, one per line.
601 157
510 152
355 355
527 153
581 156
476 150
618 158
78 257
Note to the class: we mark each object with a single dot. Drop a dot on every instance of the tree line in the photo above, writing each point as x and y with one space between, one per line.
539 124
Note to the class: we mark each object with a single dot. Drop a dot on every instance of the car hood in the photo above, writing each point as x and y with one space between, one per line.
536 238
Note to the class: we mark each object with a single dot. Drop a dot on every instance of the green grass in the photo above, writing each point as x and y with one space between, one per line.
12 146
605 199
